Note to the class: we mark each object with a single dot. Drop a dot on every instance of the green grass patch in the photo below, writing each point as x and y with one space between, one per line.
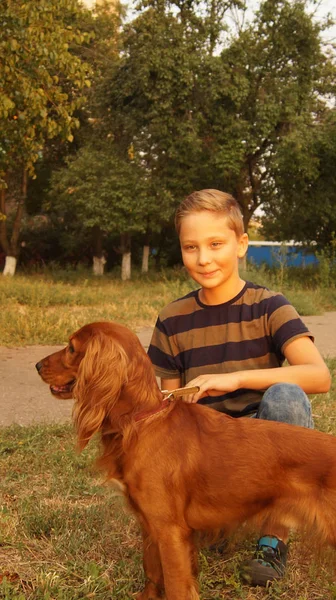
65 535
36 310
45 308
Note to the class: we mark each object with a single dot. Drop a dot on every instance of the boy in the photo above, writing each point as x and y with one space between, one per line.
230 338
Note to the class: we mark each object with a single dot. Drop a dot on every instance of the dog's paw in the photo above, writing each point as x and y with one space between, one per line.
151 592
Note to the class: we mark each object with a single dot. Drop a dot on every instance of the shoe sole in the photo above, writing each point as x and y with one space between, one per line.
264 576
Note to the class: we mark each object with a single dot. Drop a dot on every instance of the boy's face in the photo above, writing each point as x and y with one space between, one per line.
210 249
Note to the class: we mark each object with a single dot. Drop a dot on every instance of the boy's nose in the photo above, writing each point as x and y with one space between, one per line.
204 257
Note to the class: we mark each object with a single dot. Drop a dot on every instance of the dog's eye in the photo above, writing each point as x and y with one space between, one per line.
71 349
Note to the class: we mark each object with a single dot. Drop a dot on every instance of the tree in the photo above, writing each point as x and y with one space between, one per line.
152 96
101 191
305 181
117 129
264 87
42 88
204 118
185 106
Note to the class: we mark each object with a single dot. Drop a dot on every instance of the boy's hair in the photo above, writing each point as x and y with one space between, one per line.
212 201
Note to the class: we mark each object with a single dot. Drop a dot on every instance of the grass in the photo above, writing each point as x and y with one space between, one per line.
45 308
37 310
65 535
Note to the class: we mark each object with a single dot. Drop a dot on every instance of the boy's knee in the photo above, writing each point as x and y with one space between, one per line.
288 403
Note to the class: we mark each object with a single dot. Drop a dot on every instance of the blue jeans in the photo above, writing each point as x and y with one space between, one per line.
288 403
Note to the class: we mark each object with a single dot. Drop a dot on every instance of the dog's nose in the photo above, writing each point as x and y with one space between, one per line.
38 366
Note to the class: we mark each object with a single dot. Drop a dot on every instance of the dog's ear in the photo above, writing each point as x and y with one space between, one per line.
101 375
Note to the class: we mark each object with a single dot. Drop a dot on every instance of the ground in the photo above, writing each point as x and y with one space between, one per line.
25 399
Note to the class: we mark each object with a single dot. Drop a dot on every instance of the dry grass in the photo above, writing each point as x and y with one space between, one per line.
36 310
44 309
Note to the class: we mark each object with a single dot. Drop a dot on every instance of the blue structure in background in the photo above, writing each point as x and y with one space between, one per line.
275 254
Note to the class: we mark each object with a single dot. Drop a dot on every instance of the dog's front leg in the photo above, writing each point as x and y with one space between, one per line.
154 588
179 562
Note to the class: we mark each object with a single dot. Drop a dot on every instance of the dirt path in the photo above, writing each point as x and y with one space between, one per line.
25 399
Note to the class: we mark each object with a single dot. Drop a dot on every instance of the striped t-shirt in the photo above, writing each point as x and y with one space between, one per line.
250 331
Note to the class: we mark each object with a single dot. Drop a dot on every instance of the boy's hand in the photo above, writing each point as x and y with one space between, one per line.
213 385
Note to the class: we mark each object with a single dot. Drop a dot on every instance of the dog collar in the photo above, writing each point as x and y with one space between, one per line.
168 398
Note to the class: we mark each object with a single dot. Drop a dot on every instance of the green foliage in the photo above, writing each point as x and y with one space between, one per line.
107 184
305 180
148 107
272 71
204 118
178 102
41 77
327 263
99 187
42 87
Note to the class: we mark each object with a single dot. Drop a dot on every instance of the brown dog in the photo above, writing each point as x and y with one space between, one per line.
185 467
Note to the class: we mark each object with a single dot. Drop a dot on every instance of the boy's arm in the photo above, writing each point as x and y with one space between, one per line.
306 369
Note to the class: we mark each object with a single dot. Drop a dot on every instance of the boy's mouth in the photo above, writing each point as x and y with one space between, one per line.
209 274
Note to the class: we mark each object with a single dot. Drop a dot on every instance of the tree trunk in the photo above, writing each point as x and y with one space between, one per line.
126 266
125 245
99 259
11 247
19 214
98 265
3 216
145 250
145 257
10 265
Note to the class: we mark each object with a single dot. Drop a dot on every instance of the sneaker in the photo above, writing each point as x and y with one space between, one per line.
268 563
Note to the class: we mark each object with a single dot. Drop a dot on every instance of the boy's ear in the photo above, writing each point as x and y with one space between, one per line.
242 245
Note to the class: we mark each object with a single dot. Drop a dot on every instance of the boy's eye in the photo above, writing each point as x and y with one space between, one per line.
216 244
189 247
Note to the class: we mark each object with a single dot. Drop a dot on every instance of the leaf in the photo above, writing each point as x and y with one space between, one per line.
6 102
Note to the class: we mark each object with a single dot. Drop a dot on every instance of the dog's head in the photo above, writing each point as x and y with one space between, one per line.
106 370
60 369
